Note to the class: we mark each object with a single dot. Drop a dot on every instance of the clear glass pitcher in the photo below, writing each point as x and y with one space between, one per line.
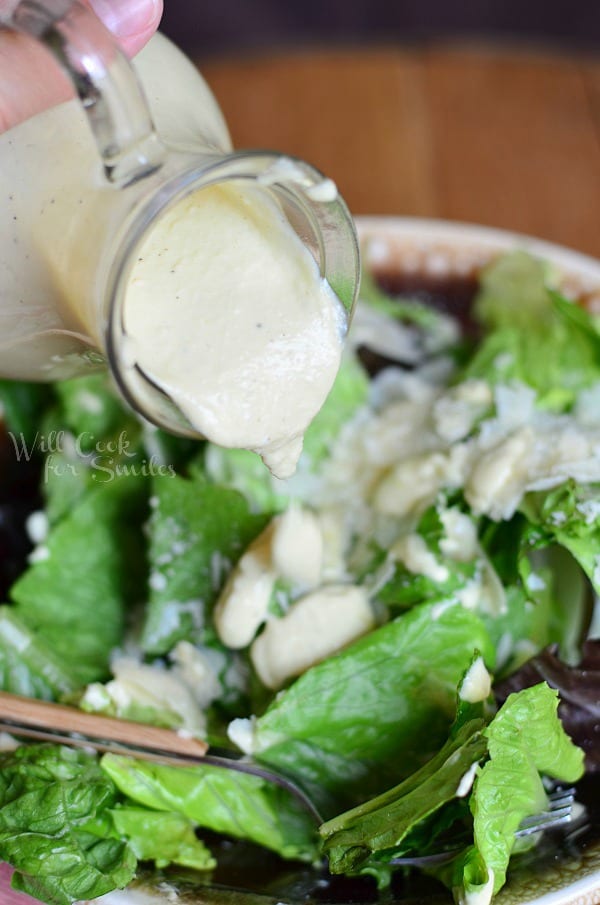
83 182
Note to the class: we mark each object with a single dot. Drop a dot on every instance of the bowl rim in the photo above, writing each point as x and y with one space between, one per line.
421 233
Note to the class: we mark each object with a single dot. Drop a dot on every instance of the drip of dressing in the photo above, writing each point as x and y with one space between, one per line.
225 310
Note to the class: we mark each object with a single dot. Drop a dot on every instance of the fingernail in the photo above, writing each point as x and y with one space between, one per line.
126 18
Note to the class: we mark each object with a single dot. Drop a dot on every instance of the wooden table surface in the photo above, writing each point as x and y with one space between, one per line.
500 136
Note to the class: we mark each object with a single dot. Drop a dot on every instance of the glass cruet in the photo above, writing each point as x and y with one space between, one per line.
83 182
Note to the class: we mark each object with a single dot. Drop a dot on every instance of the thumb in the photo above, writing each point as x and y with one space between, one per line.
131 21
29 82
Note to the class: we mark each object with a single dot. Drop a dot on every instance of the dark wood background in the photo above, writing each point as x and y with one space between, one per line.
502 137
486 111
230 26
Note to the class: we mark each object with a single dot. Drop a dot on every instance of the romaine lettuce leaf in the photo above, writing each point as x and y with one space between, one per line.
570 516
238 804
579 693
162 837
28 665
350 390
22 405
197 531
245 472
405 588
90 409
533 335
382 825
49 799
76 595
525 739
362 720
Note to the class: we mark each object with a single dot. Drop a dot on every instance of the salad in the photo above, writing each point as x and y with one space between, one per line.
389 629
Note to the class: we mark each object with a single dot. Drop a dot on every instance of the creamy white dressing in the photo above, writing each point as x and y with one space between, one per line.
289 548
226 311
297 547
315 627
243 604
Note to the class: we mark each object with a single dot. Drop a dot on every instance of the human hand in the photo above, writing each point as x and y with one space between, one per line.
30 81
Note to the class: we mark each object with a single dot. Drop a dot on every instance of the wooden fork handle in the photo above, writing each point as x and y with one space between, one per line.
43 715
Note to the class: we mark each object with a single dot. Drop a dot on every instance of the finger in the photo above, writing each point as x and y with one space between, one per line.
132 22
30 81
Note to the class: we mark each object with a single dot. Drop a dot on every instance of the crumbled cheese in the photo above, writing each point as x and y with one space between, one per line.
39 554
157 581
412 485
460 542
242 732
498 479
466 783
470 595
414 553
37 526
477 683
457 410
336 537
590 510
138 684
8 743
392 339
558 518
535 582
587 406
89 402
198 668
290 548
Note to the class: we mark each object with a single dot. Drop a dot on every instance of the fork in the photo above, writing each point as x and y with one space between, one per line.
558 812
46 721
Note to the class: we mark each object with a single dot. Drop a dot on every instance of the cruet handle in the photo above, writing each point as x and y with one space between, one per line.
106 84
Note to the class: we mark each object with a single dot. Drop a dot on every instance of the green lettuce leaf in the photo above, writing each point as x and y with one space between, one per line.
570 516
349 392
237 804
382 825
28 665
525 739
197 532
404 588
360 721
533 335
244 471
23 404
162 837
76 596
90 409
410 310
49 799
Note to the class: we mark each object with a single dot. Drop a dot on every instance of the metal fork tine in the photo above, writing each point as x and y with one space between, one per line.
558 812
